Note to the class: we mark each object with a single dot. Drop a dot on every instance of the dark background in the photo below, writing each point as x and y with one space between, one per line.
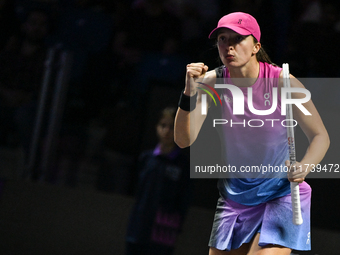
128 63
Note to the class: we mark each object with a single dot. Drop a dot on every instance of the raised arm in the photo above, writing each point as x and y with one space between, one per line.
189 123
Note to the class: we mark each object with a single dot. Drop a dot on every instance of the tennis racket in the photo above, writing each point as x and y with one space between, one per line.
294 186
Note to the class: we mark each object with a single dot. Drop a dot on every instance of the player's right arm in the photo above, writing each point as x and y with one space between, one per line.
188 124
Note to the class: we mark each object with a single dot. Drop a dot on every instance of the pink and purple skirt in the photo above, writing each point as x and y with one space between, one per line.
235 224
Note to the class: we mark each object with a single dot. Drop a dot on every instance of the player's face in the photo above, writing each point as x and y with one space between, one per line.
165 130
235 50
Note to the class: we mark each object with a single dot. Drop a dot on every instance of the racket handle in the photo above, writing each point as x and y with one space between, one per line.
295 194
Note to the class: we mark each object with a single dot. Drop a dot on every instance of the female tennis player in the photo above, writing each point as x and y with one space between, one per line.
253 215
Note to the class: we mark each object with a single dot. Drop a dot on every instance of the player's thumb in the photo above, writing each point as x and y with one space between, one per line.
287 163
204 70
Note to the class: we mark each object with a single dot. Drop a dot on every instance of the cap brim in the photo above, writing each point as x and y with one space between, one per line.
236 29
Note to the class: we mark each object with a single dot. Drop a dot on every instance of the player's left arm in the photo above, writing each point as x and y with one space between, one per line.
315 131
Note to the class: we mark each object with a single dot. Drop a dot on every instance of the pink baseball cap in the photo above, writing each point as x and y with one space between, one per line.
240 22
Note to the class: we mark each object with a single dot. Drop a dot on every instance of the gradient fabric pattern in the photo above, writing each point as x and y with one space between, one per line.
255 140
235 224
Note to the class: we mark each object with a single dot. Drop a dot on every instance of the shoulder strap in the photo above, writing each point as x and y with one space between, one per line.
219 72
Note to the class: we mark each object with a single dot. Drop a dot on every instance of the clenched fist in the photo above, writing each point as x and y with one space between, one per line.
194 71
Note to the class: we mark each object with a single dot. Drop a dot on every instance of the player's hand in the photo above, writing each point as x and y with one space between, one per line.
296 172
194 71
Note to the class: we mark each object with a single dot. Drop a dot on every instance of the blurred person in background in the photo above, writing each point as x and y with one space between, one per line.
162 196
